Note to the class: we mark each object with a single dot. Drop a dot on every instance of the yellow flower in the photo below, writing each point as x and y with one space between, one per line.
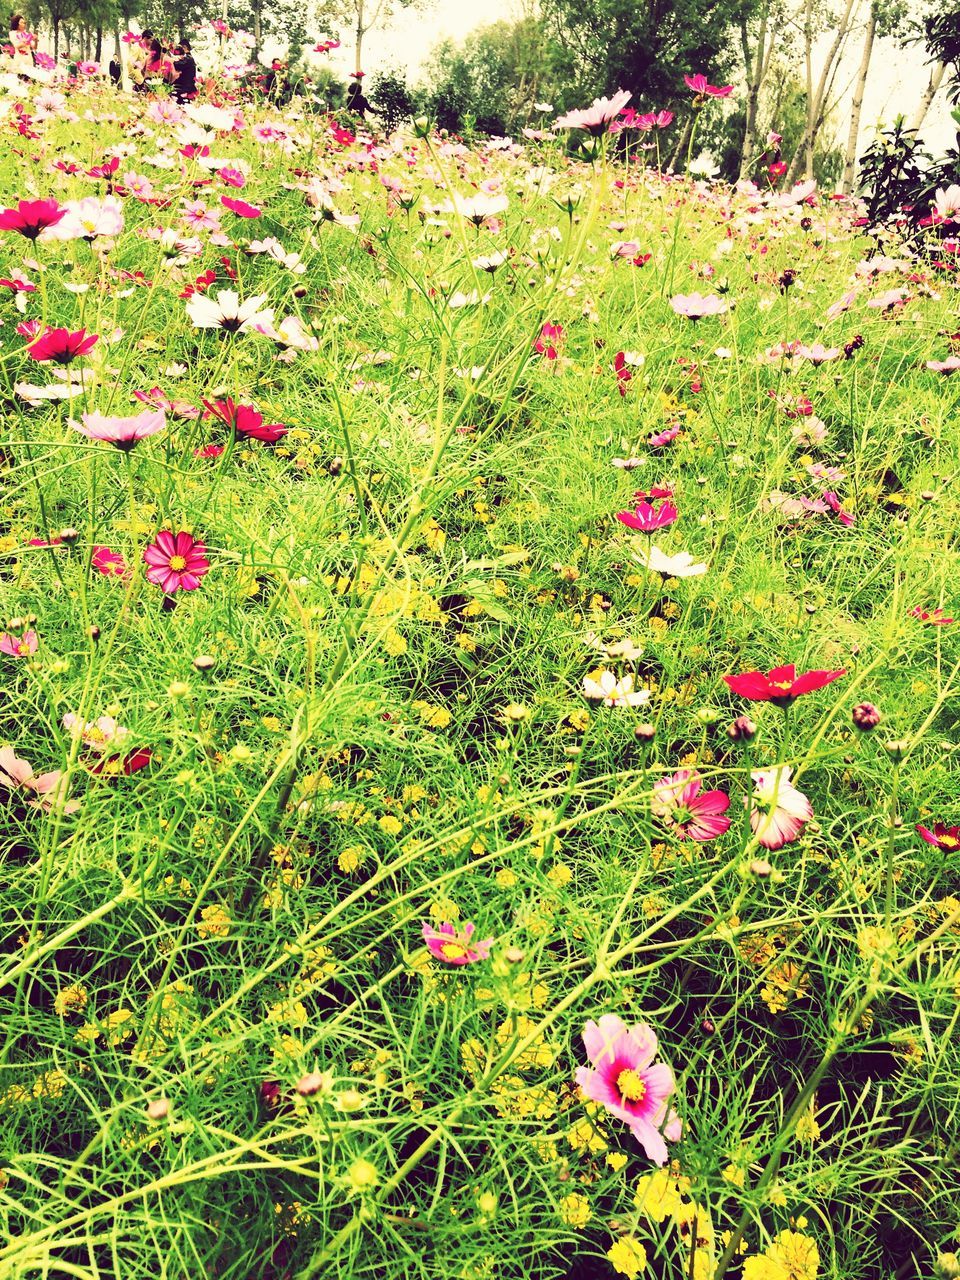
658 1196
807 1129
616 1160
575 1210
349 859
71 1000
390 825
505 878
627 1257
214 922
797 1255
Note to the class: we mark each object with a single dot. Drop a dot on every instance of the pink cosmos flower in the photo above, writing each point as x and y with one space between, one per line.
48 788
30 217
549 334
232 177
455 947
100 735
934 619
779 811
596 118
45 61
176 561
20 646
124 433
623 1077
240 207
818 354
680 804
245 421
62 346
110 563
698 84
941 837
695 306
780 685
661 438
946 367
645 518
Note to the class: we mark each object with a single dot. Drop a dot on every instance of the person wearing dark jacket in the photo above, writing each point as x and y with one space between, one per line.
184 86
356 102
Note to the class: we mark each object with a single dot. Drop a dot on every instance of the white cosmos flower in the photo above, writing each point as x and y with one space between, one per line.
476 208
680 565
226 311
604 686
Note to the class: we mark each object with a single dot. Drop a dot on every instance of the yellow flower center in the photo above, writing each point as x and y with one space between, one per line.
630 1086
949 842
23 649
177 564
453 950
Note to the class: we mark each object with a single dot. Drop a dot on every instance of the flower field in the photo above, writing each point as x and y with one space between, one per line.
478 779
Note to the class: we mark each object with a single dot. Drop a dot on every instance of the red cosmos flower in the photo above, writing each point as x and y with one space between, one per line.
780 685
105 170
244 420
31 217
934 619
175 561
549 333
18 286
646 517
240 207
113 766
62 346
941 837
698 84
622 371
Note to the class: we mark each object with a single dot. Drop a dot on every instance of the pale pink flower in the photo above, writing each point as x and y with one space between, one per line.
946 367
679 565
48 788
124 433
21 646
946 202
779 812
624 1079
88 219
694 305
101 735
596 118
603 686
818 354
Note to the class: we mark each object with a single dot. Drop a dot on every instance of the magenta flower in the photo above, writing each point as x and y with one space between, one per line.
176 561
660 439
240 207
779 812
123 433
62 346
698 84
31 217
942 836
646 518
19 646
244 420
110 563
932 619
623 1077
695 306
453 947
694 814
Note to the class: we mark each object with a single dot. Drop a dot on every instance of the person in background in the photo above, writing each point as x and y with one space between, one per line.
184 87
159 66
356 102
137 60
22 41
115 71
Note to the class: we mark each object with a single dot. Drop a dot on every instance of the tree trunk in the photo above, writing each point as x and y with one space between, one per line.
923 106
257 29
856 107
99 48
754 81
361 31
817 102
56 36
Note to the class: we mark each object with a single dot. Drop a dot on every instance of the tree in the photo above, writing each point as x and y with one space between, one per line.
362 16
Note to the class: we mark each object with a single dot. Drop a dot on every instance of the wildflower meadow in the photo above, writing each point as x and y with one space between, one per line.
478 761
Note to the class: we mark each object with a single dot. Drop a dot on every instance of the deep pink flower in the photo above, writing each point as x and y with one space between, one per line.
453 947
780 685
240 207
665 437
934 619
176 561
232 177
20 646
30 217
694 814
123 433
698 84
623 1077
114 766
62 346
549 334
779 812
245 421
645 518
942 837
110 563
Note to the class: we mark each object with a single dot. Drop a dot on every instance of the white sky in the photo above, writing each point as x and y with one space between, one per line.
897 76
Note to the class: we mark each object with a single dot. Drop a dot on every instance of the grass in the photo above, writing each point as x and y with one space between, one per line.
226 1049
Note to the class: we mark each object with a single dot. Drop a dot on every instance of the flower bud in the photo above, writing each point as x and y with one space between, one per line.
948 1266
742 729
69 536
896 748
204 662
645 732
94 633
310 1084
158 1108
421 127
760 868
865 716
708 716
